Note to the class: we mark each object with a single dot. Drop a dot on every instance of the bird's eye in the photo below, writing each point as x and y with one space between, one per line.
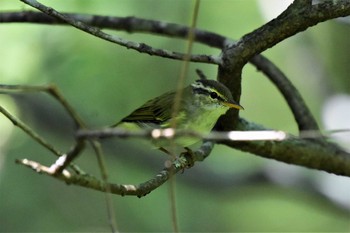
213 95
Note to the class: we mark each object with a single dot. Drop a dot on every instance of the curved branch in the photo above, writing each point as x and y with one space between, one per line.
302 114
140 47
129 24
296 18
140 190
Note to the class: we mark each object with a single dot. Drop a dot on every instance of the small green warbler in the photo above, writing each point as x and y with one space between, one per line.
202 103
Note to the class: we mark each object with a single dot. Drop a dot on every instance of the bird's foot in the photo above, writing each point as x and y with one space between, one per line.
188 155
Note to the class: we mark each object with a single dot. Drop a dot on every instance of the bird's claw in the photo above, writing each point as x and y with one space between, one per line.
188 155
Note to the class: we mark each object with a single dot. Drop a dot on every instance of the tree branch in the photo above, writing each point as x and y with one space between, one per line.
129 24
296 18
316 154
302 114
235 55
311 153
30 132
88 181
140 47
302 3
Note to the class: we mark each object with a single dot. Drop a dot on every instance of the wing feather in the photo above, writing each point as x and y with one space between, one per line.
157 110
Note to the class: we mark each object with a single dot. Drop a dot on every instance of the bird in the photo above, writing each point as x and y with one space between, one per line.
201 105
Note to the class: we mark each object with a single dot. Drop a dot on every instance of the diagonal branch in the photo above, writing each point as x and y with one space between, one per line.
139 190
50 90
301 112
30 132
141 47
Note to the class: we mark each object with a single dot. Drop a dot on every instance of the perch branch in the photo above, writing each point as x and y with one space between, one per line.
65 159
140 190
53 91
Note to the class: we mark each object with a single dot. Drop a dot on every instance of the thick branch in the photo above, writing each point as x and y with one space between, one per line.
310 153
297 18
302 2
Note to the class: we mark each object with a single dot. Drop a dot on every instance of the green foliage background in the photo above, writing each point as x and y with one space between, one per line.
105 82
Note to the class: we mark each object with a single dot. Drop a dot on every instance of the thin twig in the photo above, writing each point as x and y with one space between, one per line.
171 134
52 91
56 94
49 89
176 106
104 174
65 159
140 190
30 132
129 24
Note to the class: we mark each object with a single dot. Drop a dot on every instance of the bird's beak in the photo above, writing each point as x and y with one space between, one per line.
233 105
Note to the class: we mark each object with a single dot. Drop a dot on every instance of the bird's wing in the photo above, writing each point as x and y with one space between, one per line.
157 110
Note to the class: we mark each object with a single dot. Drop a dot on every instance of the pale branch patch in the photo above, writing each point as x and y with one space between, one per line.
140 190
315 153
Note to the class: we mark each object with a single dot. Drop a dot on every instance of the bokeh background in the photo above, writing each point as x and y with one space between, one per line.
230 190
